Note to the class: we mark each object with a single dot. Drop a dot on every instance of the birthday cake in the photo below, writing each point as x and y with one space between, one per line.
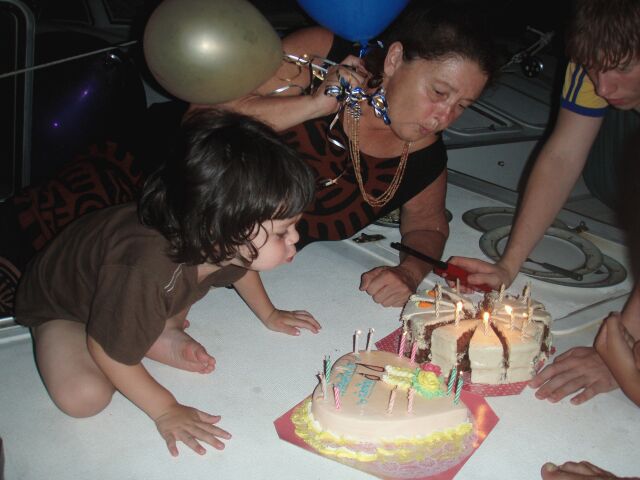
382 413
501 340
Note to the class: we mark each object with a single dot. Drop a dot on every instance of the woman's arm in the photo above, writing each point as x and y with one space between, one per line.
424 227
290 108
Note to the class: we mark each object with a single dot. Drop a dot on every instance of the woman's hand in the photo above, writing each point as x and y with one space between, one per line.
189 426
483 273
389 286
352 70
574 471
291 322
580 368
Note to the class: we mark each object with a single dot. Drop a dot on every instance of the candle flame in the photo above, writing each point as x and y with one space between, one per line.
508 309
485 317
459 306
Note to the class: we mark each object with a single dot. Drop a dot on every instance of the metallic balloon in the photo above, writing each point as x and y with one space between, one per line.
210 51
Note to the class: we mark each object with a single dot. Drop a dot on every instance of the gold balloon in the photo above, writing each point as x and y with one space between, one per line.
210 51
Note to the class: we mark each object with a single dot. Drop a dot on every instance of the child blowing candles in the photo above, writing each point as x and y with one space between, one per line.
116 285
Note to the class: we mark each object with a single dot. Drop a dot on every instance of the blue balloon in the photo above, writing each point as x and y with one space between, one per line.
355 20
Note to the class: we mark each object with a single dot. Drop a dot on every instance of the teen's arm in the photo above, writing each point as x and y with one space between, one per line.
251 290
174 421
554 174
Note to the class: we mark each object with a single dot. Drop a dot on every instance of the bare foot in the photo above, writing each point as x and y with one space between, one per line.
177 349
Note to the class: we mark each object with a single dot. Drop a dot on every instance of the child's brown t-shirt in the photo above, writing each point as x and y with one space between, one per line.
112 273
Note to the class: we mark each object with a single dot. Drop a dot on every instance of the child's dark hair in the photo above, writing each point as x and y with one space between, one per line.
227 174
435 30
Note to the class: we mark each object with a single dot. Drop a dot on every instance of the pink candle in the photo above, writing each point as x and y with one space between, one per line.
414 350
403 339
411 394
392 400
336 396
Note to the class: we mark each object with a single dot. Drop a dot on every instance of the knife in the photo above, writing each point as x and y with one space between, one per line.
444 269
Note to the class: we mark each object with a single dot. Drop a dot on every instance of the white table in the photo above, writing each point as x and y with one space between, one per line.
261 374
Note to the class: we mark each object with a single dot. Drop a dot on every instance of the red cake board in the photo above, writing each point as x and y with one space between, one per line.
484 417
391 342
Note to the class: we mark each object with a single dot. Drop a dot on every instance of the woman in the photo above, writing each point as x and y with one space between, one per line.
434 63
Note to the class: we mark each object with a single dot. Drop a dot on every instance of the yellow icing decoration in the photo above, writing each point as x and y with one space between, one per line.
394 450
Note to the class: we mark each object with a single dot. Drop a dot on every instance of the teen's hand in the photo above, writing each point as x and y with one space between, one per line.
190 426
482 273
578 369
291 322
389 286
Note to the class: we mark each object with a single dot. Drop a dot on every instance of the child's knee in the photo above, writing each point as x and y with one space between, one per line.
83 397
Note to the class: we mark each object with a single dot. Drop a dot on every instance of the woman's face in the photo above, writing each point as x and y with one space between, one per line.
426 96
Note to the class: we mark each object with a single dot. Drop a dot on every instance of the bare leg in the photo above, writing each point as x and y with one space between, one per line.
74 381
177 349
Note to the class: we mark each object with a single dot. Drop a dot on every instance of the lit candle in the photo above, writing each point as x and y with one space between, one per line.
452 380
336 396
355 340
501 293
509 310
411 394
456 316
414 350
369 339
485 321
392 400
403 339
456 399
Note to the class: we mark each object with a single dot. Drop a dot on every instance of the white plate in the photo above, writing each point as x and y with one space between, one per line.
560 247
484 219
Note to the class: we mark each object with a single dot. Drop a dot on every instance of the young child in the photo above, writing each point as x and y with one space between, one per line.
115 286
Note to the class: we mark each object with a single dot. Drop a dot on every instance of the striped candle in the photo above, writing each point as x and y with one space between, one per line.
392 399
403 340
327 367
414 350
456 399
452 380
411 394
336 396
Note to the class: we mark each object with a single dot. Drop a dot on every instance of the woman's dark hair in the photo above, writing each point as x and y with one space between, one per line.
604 34
437 30
227 174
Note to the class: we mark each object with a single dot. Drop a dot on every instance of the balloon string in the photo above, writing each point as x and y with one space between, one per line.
68 59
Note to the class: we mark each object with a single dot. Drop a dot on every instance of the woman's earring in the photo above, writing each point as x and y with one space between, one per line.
379 103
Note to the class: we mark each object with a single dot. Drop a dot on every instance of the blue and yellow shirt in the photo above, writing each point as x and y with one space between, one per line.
579 94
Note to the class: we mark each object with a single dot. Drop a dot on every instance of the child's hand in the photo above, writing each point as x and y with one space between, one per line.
188 425
290 322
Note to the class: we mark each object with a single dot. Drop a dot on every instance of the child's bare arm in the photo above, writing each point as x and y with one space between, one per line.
616 347
252 291
174 421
